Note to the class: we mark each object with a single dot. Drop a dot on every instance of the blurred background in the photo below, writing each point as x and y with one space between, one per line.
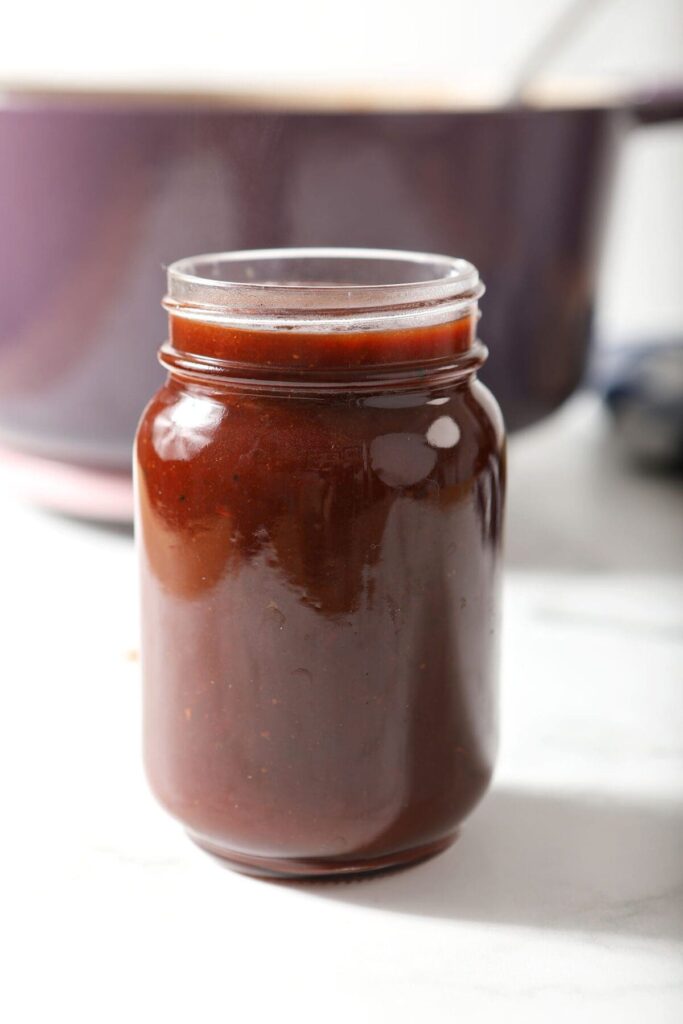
543 141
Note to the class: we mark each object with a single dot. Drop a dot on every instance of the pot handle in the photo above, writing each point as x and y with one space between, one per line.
658 106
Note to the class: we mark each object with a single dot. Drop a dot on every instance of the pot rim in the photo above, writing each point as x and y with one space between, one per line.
552 94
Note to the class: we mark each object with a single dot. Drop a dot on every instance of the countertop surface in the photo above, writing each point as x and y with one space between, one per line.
562 900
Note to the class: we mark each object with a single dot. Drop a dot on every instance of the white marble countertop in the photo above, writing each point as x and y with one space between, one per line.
562 901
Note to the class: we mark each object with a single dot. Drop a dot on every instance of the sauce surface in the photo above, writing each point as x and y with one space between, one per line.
320 606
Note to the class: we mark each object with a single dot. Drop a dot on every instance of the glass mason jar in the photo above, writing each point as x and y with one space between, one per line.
319 504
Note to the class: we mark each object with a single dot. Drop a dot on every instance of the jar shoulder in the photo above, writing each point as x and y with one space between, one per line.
491 414
463 425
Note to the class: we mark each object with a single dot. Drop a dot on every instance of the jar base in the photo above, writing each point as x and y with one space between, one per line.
294 869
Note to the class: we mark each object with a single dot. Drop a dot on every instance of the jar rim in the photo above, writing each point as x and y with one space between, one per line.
319 288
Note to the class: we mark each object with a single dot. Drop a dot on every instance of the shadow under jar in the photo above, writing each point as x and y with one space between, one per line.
319 503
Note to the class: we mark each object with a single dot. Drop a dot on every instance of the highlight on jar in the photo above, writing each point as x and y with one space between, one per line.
319 503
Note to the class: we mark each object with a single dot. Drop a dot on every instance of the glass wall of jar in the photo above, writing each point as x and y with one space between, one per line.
319 505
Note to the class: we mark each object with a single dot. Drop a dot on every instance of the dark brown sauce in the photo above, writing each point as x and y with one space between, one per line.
319 577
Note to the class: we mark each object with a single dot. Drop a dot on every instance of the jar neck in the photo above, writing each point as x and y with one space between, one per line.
344 360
